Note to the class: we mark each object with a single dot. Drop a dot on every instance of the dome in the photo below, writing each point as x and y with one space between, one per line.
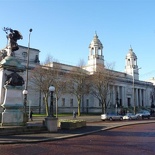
131 53
96 42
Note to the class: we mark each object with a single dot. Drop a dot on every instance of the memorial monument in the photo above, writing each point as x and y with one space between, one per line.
11 83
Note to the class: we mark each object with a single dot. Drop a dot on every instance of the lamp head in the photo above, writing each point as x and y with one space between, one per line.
25 92
51 88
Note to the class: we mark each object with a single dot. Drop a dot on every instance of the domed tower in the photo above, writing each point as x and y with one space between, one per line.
95 57
131 64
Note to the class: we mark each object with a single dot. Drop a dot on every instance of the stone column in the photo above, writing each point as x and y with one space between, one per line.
144 98
118 91
123 96
114 98
142 92
136 97
140 97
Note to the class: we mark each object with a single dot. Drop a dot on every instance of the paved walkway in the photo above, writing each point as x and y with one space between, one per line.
94 124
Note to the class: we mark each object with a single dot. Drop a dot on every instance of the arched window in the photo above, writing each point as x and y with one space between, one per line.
128 62
134 61
99 51
92 51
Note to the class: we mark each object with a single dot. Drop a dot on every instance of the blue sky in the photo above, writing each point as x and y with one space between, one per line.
65 28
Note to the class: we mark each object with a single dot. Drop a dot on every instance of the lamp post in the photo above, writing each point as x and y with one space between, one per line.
27 65
134 88
51 89
51 122
25 92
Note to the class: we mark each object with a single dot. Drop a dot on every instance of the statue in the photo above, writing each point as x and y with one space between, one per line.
3 54
12 37
14 79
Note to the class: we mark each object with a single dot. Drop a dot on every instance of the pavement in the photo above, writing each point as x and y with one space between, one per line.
35 132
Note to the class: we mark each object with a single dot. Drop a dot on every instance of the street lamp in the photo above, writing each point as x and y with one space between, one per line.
51 89
51 122
27 65
134 88
25 92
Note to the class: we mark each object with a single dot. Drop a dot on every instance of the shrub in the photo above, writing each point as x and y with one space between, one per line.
71 124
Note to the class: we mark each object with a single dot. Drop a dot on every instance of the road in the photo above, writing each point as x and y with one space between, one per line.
128 140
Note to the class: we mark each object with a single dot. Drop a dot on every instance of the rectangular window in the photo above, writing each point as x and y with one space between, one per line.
87 105
87 102
100 103
129 102
71 102
63 102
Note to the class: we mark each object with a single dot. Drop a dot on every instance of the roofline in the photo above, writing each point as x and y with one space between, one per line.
27 47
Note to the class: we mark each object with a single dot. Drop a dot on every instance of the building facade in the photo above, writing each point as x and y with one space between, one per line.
128 90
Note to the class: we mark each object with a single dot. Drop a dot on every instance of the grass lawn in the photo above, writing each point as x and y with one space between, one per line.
68 114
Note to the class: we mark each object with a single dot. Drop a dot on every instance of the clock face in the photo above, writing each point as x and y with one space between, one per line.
24 54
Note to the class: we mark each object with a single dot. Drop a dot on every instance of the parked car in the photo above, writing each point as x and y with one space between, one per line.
111 116
143 114
129 116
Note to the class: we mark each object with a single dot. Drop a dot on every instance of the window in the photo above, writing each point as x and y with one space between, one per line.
87 102
99 52
100 103
36 59
71 102
92 51
63 102
128 62
129 102
24 54
135 62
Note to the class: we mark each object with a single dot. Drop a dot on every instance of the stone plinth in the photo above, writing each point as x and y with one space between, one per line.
13 106
51 124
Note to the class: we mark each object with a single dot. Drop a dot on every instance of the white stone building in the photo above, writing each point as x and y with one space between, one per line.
123 87
125 82
21 55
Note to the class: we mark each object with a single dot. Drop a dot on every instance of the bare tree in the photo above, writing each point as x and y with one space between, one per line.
41 81
100 87
59 82
78 84
59 78
43 76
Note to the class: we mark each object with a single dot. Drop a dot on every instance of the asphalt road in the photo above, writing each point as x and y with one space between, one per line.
126 140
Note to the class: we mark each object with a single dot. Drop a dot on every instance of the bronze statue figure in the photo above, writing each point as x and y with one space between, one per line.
14 79
12 37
